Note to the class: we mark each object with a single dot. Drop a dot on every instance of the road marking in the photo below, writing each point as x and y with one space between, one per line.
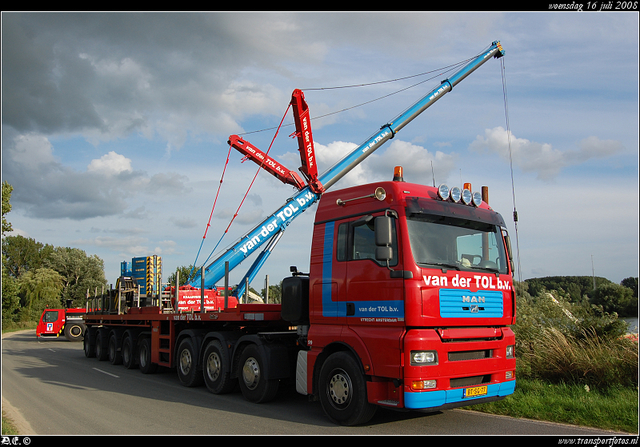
109 374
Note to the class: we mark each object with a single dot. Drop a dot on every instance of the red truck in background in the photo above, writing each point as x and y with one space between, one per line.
55 322
407 303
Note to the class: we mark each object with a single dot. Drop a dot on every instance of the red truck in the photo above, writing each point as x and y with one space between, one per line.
55 322
406 305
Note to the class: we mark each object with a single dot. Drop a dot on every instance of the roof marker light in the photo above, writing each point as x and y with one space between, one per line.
397 174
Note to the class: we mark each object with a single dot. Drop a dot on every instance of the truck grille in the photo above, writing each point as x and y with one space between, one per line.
468 381
457 303
470 355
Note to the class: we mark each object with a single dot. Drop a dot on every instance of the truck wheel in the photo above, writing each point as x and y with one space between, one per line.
89 347
343 391
115 356
128 353
187 366
102 352
74 331
144 356
217 368
255 388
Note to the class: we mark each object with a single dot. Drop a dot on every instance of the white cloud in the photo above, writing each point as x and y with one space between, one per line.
542 158
418 163
46 188
110 164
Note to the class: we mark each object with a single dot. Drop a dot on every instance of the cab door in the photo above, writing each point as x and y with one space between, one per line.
374 290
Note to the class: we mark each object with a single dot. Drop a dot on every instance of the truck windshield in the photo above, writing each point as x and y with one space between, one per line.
448 242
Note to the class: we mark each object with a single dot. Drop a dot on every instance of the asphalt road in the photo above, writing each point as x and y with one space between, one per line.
50 388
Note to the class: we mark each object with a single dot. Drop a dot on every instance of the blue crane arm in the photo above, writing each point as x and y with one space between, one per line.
304 198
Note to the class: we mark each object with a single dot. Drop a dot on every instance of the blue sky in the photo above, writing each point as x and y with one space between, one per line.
114 126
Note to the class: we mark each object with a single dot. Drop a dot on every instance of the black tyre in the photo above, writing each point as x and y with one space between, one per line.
89 346
343 391
253 384
102 351
115 354
144 356
74 331
187 364
129 359
216 369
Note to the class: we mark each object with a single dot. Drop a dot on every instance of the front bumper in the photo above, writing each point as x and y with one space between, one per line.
439 399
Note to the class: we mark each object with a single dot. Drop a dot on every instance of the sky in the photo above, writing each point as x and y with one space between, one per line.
115 126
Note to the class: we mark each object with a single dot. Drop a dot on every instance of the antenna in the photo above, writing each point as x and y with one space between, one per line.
433 174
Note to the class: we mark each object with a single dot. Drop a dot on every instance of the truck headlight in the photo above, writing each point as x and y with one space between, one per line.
421 358
510 351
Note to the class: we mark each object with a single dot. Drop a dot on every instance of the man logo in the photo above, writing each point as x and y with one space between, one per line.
474 309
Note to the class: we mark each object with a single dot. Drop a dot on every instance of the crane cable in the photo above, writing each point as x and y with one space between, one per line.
513 190
213 207
439 72
243 198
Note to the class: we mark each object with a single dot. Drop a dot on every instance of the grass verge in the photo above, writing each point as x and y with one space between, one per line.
614 408
7 426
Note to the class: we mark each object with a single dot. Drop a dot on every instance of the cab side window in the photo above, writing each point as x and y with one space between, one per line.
50 316
356 241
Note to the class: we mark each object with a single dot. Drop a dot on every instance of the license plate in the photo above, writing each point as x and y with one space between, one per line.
475 391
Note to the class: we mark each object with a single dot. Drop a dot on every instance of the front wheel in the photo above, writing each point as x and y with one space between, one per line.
343 391
74 331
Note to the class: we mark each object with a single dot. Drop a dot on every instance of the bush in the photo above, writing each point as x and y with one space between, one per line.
590 360
560 341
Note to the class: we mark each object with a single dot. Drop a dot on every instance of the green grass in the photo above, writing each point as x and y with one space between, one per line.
614 408
7 426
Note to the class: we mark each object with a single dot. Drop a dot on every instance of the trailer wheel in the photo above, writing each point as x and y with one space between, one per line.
187 366
217 369
74 331
115 355
144 356
343 391
102 352
89 347
255 388
128 353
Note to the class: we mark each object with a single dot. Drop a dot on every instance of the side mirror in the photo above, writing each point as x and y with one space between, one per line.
507 241
382 230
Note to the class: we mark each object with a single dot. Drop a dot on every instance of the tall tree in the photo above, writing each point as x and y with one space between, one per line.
631 283
40 288
187 274
79 272
21 254
7 189
10 299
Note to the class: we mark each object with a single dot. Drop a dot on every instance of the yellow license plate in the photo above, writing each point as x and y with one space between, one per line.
475 391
